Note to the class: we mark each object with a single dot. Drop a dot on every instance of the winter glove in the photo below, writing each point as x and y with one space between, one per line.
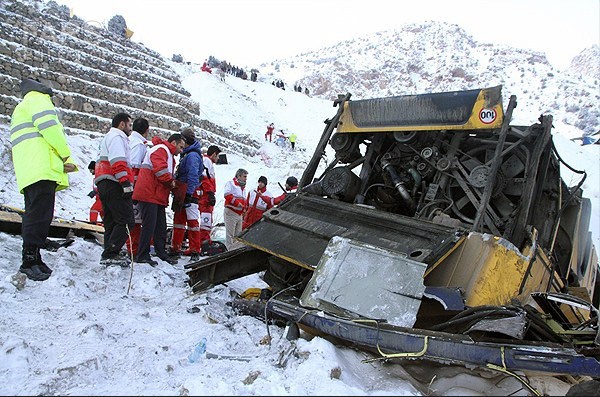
212 200
188 201
127 189
92 194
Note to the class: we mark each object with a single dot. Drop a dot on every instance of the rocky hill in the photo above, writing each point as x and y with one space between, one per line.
95 74
436 57
587 64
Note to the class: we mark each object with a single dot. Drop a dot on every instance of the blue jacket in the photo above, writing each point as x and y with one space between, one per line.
191 167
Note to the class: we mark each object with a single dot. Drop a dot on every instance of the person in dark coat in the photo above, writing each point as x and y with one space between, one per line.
187 214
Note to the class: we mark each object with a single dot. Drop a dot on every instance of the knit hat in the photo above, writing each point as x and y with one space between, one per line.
292 181
263 179
189 136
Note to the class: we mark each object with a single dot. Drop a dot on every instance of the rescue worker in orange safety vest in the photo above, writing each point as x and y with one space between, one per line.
258 201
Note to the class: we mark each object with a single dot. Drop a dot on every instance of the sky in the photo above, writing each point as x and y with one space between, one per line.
91 330
249 32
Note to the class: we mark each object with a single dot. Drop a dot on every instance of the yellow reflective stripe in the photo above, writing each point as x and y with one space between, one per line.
25 137
21 126
42 114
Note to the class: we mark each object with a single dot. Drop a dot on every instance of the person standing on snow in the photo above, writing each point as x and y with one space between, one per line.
291 184
292 139
42 159
258 201
114 178
155 181
186 212
96 208
269 133
138 145
235 199
208 187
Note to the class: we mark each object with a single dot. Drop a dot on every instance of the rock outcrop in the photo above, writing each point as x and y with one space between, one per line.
94 73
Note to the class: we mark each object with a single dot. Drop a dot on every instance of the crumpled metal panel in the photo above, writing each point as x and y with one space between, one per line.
357 278
300 229
512 326
442 347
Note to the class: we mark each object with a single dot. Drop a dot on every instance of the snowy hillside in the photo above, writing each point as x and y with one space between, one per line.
438 57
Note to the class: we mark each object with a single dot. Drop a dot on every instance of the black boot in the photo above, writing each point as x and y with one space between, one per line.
42 264
30 266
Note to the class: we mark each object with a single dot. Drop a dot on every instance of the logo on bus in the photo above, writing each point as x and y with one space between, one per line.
487 116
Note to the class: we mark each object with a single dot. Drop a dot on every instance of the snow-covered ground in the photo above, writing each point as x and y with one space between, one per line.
91 330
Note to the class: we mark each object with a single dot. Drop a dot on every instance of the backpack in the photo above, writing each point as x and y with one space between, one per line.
210 248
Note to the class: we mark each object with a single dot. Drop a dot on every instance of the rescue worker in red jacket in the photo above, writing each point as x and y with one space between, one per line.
269 133
155 181
258 201
114 179
208 188
96 208
291 184
138 145
235 200
206 68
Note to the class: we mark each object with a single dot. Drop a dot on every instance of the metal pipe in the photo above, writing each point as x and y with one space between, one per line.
398 184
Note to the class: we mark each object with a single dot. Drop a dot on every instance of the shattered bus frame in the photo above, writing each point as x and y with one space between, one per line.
439 231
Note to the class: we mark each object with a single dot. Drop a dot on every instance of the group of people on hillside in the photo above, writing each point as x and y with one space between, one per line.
298 88
228 68
281 137
149 172
244 208
134 178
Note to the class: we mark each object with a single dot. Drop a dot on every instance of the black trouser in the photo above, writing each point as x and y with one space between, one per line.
118 215
154 224
39 211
